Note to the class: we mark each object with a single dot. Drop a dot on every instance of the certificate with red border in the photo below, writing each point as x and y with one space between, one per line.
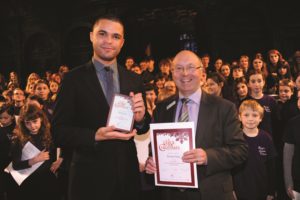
121 113
169 141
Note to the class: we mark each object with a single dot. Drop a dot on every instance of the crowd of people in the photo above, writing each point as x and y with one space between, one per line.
55 110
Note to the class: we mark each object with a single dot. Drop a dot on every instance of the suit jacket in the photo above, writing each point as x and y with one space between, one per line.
219 134
98 169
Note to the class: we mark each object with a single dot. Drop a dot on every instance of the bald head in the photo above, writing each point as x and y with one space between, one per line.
186 56
187 72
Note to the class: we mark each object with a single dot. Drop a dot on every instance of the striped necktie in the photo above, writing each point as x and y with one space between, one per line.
184 112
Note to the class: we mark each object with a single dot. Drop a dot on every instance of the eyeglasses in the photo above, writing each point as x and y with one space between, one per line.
188 69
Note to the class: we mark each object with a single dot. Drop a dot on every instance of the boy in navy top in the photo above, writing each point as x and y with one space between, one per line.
254 178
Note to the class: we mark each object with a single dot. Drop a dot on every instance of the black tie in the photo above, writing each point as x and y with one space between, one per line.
108 84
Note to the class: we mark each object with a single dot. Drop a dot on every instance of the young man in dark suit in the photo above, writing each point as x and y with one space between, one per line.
220 145
104 163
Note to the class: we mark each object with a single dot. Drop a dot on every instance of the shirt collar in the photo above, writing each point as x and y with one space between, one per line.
195 97
100 67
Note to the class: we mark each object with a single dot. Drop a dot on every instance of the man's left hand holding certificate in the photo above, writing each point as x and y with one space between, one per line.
123 112
170 141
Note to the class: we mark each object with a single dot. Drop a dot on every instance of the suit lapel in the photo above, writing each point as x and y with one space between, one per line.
171 109
122 79
93 84
202 120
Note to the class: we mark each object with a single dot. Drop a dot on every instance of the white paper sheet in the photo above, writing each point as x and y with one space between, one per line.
29 151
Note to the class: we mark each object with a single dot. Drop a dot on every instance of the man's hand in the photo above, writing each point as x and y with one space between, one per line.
109 133
150 166
197 156
290 192
138 106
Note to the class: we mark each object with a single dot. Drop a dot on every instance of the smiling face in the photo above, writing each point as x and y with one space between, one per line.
225 70
187 82
128 63
107 38
285 93
250 118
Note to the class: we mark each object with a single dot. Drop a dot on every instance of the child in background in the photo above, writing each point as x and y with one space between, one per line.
7 125
256 83
53 86
291 158
42 90
253 180
34 127
240 90
237 72
286 89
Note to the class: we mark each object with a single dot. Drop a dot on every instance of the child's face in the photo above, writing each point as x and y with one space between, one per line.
129 62
285 93
244 63
256 83
33 125
282 70
18 96
53 87
237 73
42 90
225 70
242 90
213 87
274 58
160 83
218 64
5 119
170 87
250 118
205 61
165 69
257 64
32 78
12 76
151 96
136 70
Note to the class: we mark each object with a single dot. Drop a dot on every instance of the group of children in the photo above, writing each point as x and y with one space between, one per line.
25 118
34 127
266 122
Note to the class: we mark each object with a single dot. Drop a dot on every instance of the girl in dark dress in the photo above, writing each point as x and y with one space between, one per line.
34 127
7 125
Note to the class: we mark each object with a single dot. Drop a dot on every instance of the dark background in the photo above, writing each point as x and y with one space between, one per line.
39 35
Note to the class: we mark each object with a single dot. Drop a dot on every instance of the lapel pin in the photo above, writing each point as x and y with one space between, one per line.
171 104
